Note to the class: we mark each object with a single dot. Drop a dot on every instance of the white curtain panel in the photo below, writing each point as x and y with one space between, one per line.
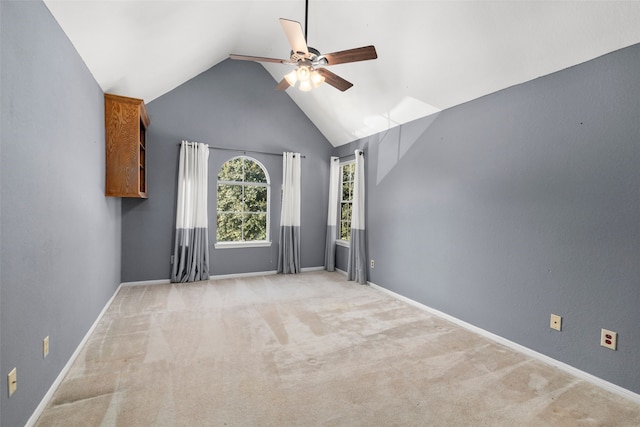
358 248
289 251
191 251
332 214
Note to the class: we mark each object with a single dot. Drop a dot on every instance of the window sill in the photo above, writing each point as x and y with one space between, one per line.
343 243
254 244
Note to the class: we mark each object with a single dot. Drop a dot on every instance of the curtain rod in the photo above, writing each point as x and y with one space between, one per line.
245 151
349 155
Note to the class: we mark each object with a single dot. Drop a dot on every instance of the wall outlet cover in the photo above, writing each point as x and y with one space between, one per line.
12 381
555 322
608 339
45 346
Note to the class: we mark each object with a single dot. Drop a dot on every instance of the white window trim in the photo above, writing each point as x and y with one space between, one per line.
343 243
247 244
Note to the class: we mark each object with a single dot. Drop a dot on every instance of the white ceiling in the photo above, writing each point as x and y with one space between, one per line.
432 55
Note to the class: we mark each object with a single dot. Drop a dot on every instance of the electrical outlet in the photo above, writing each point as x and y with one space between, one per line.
555 322
373 264
608 339
45 346
12 381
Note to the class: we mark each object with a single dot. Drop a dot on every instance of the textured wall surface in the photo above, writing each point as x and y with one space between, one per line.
234 105
521 204
60 245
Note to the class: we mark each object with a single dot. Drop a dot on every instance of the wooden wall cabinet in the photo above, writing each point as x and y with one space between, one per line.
126 123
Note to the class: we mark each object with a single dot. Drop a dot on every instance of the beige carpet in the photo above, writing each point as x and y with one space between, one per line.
306 350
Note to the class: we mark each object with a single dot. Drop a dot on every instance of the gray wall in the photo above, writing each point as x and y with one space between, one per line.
231 105
60 243
521 204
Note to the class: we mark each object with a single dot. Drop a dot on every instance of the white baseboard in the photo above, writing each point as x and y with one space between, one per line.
65 370
259 273
621 391
147 282
219 276
239 275
342 272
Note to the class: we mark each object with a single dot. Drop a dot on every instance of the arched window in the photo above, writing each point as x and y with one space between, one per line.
243 203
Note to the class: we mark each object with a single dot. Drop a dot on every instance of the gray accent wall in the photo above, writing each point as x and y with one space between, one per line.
233 105
60 236
520 204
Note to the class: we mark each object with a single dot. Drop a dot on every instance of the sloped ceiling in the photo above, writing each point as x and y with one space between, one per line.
432 55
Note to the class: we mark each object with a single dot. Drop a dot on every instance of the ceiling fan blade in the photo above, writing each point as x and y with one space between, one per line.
334 80
259 59
293 31
283 85
352 55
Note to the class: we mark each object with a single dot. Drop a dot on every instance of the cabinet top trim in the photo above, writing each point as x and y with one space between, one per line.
135 101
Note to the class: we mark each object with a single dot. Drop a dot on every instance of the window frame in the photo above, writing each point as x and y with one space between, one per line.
243 184
339 240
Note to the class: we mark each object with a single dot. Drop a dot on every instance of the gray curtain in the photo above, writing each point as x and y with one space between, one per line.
332 214
358 246
191 251
289 250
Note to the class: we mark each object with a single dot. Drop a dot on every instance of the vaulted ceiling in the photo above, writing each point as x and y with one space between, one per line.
432 55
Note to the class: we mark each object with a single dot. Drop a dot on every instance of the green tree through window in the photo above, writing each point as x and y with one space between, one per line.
243 201
347 171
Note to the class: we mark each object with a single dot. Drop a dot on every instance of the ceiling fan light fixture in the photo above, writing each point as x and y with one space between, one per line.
304 73
307 76
305 86
316 78
292 77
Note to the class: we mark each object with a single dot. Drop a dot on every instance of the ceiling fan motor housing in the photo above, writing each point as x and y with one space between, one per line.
299 56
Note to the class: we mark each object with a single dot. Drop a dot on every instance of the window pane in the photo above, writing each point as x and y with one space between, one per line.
229 227
345 212
255 226
253 172
347 172
347 191
345 221
255 199
345 230
231 170
229 198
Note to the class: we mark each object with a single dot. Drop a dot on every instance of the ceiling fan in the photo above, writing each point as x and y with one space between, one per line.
310 63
